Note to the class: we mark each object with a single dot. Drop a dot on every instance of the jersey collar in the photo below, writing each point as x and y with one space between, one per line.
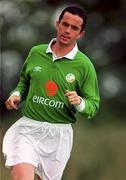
69 56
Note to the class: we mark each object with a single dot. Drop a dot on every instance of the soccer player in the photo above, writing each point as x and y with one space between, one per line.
57 80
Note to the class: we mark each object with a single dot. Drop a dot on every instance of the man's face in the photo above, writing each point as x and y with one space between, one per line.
69 29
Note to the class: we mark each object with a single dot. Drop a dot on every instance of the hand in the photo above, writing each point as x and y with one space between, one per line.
12 102
73 98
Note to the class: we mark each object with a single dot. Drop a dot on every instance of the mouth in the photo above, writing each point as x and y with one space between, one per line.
65 37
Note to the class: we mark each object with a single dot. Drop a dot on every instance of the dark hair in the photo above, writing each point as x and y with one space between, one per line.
76 10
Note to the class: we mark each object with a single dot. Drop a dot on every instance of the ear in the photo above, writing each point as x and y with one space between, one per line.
82 33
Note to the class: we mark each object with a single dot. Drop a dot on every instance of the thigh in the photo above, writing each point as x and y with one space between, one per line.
23 171
54 152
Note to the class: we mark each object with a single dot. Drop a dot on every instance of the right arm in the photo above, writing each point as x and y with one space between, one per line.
21 91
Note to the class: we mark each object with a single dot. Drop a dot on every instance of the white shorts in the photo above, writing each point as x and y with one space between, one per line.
47 146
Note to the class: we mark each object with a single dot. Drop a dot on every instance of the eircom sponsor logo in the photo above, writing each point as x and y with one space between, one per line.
48 102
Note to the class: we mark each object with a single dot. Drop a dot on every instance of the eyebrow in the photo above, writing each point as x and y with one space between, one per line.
73 26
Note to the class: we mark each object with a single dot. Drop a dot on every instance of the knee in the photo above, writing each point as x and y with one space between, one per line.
15 175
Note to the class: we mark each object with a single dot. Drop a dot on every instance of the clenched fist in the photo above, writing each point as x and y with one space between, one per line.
12 102
73 98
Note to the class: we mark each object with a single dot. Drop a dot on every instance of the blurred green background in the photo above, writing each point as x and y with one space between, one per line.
99 151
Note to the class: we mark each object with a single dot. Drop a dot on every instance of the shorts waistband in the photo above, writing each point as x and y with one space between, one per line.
26 119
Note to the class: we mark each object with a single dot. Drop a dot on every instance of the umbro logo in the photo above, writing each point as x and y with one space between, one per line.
37 69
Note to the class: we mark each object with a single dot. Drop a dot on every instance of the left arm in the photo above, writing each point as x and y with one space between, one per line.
88 101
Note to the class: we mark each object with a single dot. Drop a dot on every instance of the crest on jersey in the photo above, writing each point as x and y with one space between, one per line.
70 77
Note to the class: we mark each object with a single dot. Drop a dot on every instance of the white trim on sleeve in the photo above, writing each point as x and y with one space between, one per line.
15 93
81 106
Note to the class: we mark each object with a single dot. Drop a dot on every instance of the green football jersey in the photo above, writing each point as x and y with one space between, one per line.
43 83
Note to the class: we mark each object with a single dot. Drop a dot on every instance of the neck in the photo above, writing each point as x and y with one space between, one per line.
61 49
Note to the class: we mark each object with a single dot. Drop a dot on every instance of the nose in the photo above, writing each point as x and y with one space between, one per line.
68 29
